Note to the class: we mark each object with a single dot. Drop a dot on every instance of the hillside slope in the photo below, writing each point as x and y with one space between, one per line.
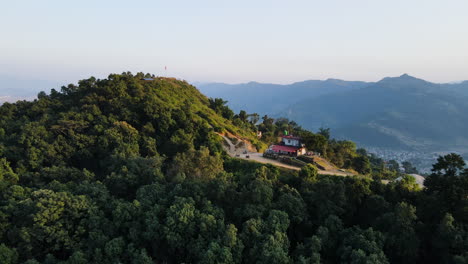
83 122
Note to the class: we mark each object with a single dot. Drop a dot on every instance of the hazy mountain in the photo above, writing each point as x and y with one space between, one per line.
395 113
460 88
266 98
399 113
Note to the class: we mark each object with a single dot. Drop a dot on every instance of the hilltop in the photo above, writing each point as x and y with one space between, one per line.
163 114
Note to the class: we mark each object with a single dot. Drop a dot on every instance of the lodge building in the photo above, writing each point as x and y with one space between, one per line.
289 145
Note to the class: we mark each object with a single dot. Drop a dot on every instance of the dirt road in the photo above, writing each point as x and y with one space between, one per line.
241 152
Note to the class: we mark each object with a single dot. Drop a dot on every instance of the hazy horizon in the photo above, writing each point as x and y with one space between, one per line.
19 79
236 42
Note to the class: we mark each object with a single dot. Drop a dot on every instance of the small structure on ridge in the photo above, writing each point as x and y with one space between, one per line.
289 145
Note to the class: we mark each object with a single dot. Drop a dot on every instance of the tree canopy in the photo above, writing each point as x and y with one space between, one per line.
125 170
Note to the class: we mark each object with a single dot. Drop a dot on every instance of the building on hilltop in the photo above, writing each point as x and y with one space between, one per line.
289 145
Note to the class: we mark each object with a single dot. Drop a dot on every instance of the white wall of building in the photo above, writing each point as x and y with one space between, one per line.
291 142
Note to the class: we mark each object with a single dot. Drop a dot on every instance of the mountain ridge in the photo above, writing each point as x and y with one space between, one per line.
253 96
403 112
400 107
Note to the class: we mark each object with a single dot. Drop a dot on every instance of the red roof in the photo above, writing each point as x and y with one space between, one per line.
291 137
278 148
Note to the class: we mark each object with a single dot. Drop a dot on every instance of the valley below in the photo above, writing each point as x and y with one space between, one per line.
421 159
397 118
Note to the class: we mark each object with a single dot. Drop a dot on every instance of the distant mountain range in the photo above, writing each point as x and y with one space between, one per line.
395 113
266 98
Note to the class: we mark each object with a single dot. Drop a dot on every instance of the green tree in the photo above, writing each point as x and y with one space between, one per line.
324 132
127 175
7 255
309 173
450 241
362 246
55 223
408 183
219 105
315 142
450 164
267 241
122 140
243 116
393 165
196 164
362 165
402 243
409 168
7 175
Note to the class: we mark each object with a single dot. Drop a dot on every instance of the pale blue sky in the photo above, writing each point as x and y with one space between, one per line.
235 41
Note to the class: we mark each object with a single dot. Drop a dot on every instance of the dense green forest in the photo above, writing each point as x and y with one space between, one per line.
125 170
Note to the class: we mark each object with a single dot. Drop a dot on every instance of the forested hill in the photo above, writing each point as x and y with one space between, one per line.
130 169
160 115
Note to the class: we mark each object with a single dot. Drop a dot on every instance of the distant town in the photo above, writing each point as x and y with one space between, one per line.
422 160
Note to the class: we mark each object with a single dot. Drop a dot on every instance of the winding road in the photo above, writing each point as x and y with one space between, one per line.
242 153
